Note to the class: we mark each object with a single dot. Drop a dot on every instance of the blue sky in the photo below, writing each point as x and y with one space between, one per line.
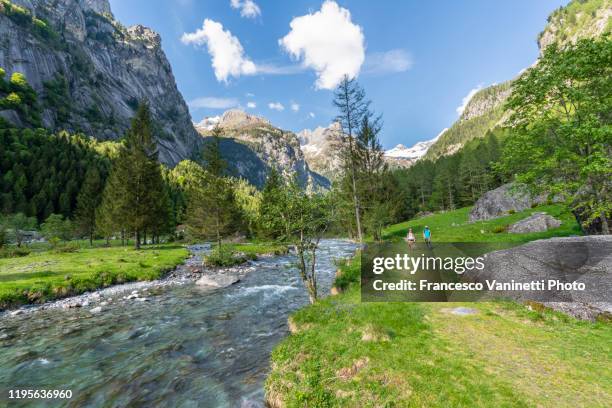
417 60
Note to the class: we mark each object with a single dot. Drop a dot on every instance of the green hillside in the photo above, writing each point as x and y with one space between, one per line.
579 19
483 113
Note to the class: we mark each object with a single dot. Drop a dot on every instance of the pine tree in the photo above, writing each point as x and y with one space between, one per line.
351 101
212 211
88 200
270 221
136 179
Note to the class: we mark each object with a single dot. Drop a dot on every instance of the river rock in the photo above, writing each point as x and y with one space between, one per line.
218 280
17 312
499 202
96 310
586 260
537 222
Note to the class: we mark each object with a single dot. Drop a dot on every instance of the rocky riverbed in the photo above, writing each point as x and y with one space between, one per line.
188 273
185 345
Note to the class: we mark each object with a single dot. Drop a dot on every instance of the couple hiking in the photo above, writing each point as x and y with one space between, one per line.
426 237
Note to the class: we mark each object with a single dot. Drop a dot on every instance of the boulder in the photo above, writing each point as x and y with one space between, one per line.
218 280
537 222
499 202
573 260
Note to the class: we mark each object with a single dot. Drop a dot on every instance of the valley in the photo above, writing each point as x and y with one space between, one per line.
189 220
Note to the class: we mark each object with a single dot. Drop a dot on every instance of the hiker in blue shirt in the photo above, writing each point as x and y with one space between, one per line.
427 236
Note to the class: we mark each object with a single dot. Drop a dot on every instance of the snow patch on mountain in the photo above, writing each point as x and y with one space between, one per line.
412 153
208 123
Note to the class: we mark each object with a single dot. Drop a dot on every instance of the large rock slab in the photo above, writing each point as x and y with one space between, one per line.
499 202
537 222
585 260
218 280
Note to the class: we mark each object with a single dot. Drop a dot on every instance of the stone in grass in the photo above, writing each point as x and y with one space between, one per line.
537 222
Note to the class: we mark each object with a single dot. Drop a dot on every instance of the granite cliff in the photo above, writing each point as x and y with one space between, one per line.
90 72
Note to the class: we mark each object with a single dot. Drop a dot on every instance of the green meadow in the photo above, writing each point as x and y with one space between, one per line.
343 352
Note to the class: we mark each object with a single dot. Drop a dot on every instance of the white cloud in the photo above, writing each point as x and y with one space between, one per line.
328 42
311 114
227 54
248 8
250 95
295 106
251 105
466 99
276 106
391 61
211 102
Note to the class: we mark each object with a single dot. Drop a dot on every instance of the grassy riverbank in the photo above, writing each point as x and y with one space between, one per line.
347 353
47 275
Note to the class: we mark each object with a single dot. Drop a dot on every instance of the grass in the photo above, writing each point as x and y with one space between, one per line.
453 226
345 353
259 248
422 356
47 275
232 254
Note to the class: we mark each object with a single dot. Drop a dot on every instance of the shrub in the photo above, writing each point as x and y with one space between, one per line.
67 248
511 212
500 229
56 228
13 252
224 257
13 101
19 81
350 273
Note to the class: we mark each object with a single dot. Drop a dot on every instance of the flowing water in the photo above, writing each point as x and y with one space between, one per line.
186 347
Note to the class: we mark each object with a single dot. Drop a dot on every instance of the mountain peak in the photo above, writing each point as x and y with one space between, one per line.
236 118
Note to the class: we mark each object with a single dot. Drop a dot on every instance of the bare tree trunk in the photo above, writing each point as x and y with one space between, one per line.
605 227
137 238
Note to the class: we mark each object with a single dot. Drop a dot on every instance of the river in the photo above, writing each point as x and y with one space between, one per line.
186 347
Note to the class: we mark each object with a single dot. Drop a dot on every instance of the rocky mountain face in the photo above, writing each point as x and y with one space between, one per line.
90 72
485 111
252 146
321 148
579 19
